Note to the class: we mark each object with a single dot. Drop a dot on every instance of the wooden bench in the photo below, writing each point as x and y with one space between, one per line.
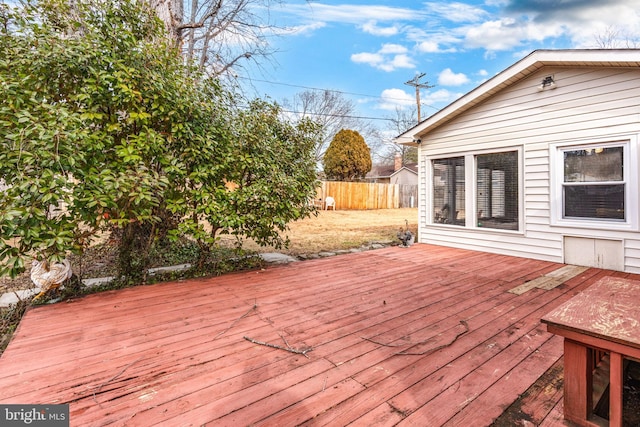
605 318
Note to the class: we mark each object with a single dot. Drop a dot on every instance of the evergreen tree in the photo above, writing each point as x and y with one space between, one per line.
348 157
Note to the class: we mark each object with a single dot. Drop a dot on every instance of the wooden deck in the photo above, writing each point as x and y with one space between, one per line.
423 336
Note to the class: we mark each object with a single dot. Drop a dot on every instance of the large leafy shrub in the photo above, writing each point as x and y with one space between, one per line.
102 127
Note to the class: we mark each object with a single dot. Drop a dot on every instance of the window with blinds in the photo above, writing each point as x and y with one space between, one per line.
448 191
497 198
594 183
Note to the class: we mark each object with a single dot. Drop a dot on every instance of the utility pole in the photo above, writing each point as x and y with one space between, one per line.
415 82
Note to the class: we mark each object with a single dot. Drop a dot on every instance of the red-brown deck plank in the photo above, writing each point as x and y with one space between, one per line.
536 403
555 417
522 332
174 353
490 402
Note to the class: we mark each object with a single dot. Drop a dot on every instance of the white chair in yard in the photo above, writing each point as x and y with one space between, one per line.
330 202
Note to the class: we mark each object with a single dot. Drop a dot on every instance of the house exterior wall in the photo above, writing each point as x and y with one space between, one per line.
589 105
380 180
404 176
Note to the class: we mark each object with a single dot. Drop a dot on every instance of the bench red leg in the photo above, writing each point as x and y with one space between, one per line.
578 382
616 379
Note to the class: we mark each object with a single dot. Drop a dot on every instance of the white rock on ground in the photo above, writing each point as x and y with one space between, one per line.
276 258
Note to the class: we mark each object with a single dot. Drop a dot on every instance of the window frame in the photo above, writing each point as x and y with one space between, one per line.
471 188
476 188
432 215
629 179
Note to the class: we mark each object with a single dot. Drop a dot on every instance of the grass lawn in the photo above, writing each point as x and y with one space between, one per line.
342 229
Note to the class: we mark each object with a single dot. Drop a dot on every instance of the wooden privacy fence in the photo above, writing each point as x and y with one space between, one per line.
362 195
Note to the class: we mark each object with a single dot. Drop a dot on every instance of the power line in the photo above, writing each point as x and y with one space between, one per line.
331 115
315 88
328 90
341 92
338 115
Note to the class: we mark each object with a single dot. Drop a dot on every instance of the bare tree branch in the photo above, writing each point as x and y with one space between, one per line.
218 35
290 350
333 112
422 353
614 37
401 122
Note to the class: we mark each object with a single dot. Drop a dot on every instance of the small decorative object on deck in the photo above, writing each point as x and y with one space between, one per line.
405 236
48 276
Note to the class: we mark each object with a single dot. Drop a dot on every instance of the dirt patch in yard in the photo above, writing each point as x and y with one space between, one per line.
328 231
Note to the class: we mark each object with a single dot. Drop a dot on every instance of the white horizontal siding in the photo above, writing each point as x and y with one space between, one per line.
537 190
532 205
489 242
541 115
587 104
632 256
516 105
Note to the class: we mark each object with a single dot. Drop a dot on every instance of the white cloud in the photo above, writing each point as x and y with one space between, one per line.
301 29
507 33
438 39
373 59
401 61
483 76
433 47
495 25
457 12
448 78
584 25
497 2
397 95
355 14
571 24
393 98
398 98
390 48
429 47
390 57
502 34
441 96
372 28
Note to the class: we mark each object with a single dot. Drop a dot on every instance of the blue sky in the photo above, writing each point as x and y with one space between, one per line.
369 49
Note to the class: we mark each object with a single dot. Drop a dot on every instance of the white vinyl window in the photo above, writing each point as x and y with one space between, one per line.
477 190
449 191
593 185
497 190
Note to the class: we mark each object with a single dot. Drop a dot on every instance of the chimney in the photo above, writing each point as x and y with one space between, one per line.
397 162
